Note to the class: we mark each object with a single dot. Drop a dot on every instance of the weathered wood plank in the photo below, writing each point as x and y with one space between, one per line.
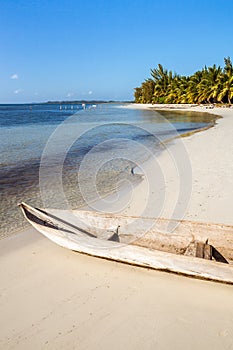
208 252
200 249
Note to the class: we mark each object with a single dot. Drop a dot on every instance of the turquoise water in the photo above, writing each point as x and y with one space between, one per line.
108 139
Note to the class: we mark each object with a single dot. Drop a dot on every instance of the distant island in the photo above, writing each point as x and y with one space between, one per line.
209 85
85 101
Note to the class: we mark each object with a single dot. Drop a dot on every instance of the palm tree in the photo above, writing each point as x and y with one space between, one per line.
159 73
192 90
215 74
148 87
208 87
177 90
138 94
226 82
162 79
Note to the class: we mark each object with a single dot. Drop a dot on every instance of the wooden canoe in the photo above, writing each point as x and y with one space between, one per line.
141 241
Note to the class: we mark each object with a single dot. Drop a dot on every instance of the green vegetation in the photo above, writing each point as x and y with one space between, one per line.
209 85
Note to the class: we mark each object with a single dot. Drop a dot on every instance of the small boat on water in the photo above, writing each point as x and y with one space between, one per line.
193 249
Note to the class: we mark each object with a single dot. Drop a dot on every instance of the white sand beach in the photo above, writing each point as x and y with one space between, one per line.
53 298
210 156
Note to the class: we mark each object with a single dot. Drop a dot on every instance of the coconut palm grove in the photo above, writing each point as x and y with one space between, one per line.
209 85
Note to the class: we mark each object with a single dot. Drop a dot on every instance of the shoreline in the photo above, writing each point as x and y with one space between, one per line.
51 297
123 189
206 185
196 143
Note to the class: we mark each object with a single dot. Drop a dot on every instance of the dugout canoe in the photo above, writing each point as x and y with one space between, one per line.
194 249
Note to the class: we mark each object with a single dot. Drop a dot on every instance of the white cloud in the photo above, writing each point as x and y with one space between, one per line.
15 76
36 93
18 91
90 92
70 94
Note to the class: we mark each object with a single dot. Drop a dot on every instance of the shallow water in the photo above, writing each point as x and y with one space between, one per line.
87 152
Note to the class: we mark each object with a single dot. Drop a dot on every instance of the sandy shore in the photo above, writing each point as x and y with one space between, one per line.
209 156
52 298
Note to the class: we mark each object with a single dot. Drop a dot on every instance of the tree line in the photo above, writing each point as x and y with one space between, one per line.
209 85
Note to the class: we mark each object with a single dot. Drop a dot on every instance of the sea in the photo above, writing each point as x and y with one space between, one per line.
77 154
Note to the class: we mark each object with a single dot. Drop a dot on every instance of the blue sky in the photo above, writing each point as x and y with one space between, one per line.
58 50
